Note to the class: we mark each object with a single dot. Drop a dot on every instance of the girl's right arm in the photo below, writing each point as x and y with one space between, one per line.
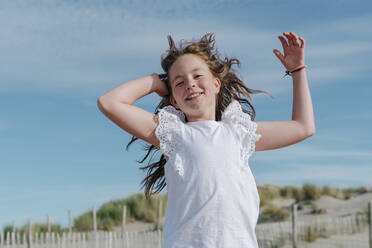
117 105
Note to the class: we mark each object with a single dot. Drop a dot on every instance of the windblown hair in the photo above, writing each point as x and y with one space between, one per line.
232 87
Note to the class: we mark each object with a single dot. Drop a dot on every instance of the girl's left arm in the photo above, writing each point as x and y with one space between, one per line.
278 134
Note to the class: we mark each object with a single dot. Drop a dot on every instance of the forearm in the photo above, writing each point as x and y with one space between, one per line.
130 91
302 104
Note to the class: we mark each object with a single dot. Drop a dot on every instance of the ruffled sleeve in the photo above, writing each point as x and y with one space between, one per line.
244 126
169 132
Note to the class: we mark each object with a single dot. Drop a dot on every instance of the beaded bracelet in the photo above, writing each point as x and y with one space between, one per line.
294 70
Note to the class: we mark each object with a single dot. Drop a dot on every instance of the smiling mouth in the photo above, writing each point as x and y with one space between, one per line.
195 97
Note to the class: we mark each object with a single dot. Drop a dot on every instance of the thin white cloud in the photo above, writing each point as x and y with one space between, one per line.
71 45
352 116
355 25
343 49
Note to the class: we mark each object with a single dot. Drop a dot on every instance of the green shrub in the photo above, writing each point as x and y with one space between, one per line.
110 214
353 191
84 222
298 194
272 213
311 234
112 211
300 206
362 190
288 192
9 228
347 195
326 190
267 193
314 206
311 192
107 224
141 208
316 210
36 227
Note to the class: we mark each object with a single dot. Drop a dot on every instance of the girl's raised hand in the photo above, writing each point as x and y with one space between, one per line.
161 84
294 53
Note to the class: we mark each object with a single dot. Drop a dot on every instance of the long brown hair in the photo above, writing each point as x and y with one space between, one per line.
232 87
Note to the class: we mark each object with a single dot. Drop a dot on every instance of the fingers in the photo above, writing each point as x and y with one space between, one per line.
293 39
289 37
284 42
303 42
279 55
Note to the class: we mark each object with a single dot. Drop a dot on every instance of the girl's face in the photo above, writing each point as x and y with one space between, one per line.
190 74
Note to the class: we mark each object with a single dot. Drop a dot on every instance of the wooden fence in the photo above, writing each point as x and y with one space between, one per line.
99 239
292 233
296 233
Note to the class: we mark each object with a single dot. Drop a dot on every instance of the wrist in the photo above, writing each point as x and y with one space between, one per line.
298 70
298 74
296 67
294 70
154 84
159 84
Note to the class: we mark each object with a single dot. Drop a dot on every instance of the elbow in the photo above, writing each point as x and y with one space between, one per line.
99 102
104 100
310 132
99 105
102 103
101 99
307 130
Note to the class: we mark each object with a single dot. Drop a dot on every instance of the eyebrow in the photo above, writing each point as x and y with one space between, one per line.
178 76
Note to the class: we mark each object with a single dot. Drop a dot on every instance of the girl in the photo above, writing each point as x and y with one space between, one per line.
206 138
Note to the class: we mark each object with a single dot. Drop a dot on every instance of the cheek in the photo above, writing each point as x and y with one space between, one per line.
177 92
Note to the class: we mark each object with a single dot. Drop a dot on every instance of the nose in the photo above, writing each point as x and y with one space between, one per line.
189 83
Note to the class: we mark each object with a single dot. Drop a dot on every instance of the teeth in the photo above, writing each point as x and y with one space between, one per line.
193 95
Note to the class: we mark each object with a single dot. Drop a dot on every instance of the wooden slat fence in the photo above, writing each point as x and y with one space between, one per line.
100 239
288 234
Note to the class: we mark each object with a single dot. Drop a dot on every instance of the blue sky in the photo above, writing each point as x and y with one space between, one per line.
59 152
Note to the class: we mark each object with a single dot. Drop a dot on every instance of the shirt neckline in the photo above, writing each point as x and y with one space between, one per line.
201 122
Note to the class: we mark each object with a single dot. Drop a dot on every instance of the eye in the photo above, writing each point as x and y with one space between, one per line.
182 81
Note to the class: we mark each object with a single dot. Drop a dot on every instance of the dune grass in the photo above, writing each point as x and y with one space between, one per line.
273 213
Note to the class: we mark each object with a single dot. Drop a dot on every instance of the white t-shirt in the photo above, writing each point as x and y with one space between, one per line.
213 200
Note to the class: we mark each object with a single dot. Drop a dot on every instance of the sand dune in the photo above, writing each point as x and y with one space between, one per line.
334 207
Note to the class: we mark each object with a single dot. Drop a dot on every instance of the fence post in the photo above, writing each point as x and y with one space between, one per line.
29 233
69 222
294 231
370 224
48 224
124 218
159 213
94 219
95 227
14 226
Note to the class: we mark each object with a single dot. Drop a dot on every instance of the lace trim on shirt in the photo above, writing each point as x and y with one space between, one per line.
245 126
168 134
